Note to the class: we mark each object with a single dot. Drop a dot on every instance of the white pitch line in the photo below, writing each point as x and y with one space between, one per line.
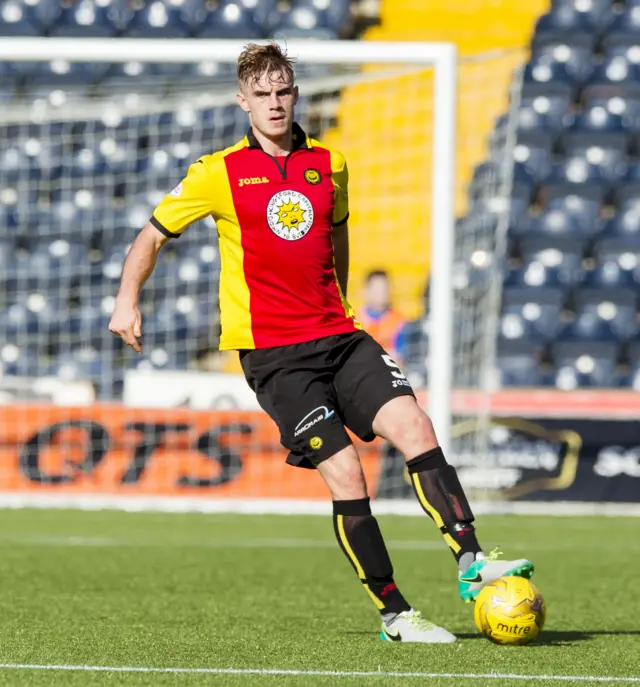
316 673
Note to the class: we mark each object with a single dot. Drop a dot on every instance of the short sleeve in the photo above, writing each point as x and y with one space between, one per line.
190 201
340 177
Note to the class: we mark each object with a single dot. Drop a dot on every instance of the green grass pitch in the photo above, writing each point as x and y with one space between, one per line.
274 592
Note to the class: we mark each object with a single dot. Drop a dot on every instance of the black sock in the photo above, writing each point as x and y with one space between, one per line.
441 497
360 539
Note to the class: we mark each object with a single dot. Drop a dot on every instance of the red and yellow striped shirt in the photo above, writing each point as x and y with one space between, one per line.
275 218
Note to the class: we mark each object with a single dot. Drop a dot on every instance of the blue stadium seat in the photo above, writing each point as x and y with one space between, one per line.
611 162
195 270
542 316
62 73
555 229
575 176
610 281
620 235
536 161
336 14
54 263
18 360
303 22
619 316
84 363
519 371
566 25
88 325
599 11
85 19
578 60
535 276
158 20
230 20
31 318
126 74
539 123
551 79
159 357
623 31
597 126
20 164
18 19
585 371
584 210
615 77
629 186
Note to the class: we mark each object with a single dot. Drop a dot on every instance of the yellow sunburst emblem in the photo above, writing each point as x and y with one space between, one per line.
290 215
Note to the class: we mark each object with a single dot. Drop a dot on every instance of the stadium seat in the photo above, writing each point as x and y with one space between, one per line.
540 120
32 318
623 31
553 229
565 24
578 60
575 176
599 11
534 275
88 325
620 235
83 363
629 185
84 19
597 126
534 161
17 360
230 20
611 162
550 79
305 21
158 20
610 281
541 315
585 371
336 14
519 371
619 316
615 77
584 210
62 73
18 19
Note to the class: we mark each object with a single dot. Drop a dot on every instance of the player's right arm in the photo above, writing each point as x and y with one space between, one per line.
189 202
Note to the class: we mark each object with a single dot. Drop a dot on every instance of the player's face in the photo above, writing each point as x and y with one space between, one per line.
269 101
377 293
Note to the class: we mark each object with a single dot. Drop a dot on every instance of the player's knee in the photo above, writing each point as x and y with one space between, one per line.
414 433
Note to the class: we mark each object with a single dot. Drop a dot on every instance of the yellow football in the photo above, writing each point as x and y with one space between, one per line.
510 610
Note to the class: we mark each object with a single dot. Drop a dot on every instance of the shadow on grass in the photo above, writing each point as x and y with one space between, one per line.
546 638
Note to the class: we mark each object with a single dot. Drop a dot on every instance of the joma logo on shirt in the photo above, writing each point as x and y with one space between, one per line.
252 180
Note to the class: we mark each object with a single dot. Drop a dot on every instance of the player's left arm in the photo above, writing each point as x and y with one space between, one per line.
341 255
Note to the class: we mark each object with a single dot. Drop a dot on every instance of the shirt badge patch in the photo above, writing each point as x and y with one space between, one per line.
312 176
290 215
177 191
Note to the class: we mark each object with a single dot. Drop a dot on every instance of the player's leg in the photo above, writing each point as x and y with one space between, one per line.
403 423
378 400
361 541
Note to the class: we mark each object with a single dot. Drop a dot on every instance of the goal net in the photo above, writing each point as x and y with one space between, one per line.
93 134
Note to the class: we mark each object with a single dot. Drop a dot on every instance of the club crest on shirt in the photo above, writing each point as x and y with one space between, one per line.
312 176
290 215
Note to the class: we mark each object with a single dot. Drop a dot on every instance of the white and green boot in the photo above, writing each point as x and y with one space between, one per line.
411 626
486 569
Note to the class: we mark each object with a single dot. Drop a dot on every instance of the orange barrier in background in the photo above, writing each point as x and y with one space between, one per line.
180 452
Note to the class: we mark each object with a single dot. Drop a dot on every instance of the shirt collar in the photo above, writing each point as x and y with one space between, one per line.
300 139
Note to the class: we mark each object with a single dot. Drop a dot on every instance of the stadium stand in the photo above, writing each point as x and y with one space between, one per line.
570 297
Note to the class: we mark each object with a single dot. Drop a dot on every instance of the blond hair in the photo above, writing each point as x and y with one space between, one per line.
256 60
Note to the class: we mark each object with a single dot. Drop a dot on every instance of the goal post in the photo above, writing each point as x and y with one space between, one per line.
348 62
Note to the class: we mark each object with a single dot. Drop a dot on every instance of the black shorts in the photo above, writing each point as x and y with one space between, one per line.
313 390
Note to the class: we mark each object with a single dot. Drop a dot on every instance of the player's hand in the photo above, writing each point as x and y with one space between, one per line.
126 322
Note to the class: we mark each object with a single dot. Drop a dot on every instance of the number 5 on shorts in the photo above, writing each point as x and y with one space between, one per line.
396 372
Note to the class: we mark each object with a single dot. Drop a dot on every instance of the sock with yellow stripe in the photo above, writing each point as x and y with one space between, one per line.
361 541
441 497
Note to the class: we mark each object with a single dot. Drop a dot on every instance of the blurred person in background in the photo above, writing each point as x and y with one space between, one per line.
378 317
